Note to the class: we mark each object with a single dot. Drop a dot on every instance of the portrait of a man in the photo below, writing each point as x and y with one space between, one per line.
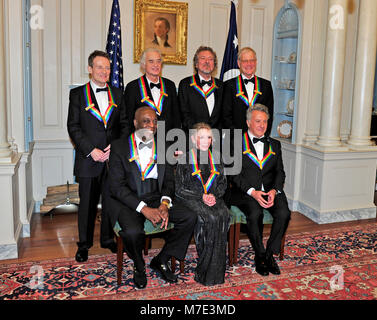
160 31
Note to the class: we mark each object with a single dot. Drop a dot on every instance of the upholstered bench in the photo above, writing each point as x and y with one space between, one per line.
239 218
149 230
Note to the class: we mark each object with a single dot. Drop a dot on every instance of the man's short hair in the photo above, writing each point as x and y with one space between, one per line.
95 54
166 21
243 50
144 55
201 49
257 107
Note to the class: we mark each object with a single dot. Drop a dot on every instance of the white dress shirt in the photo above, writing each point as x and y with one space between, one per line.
145 155
249 88
259 149
211 99
101 97
156 92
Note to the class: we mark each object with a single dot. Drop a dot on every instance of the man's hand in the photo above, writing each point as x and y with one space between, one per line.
154 215
266 200
209 199
101 156
164 214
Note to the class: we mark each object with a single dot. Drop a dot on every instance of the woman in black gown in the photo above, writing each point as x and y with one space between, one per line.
201 187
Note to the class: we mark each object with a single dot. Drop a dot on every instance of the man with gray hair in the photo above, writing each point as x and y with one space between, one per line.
153 91
259 186
244 91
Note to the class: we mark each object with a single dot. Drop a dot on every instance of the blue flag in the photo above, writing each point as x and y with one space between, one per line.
114 47
229 68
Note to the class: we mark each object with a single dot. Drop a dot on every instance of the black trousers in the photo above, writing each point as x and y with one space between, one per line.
254 217
90 190
176 240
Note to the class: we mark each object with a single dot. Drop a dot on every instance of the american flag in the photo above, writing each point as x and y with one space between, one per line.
114 47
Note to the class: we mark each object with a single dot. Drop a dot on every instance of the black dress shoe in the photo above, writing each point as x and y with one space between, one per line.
81 255
261 266
140 279
164 270
112 246
272 265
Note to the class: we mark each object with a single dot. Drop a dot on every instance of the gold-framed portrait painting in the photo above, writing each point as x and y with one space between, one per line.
163 25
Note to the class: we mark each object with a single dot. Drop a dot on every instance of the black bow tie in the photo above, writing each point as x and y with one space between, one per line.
157 85
249 80
148 145
263 139
203 83
101 89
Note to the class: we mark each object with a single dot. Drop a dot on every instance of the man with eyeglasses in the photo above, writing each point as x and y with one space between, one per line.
96 117
200 95
244 91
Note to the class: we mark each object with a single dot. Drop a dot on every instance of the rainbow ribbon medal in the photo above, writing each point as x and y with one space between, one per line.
198 173
204 94
145 98
135 157
240 94
252 156
90 106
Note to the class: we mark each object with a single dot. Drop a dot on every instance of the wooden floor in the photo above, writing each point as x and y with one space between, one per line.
56 237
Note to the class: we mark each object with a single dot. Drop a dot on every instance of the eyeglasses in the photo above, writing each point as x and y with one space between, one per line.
249 61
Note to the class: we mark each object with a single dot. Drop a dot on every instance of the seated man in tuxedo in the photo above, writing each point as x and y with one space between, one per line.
142 189
260 186
200 95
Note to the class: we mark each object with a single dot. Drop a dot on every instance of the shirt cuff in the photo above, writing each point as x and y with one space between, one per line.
167 198
250 191
141 205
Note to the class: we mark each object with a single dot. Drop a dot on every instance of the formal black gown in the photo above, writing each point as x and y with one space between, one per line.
213 222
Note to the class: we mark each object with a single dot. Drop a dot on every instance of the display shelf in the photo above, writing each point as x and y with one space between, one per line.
285 68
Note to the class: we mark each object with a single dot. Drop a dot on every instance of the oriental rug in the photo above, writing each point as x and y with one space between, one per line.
337 264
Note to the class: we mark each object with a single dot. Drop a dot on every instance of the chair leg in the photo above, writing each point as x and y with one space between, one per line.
231 245
237 230
119 260
281 255
147 244
182 266
172 267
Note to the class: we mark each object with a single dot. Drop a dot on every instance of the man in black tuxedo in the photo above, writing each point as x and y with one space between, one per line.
142 189
96 117
200 95
153 91
239 96
260 186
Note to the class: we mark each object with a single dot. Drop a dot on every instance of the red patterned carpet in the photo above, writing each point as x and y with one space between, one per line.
337 264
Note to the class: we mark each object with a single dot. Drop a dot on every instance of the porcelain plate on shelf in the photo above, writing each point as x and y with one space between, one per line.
285 129
290 106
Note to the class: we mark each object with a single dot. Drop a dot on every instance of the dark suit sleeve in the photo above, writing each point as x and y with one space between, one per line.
227 105
118 182
269 103
241 182
124 128
279 170
130 103
168 184
81 141
187 121
175 105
